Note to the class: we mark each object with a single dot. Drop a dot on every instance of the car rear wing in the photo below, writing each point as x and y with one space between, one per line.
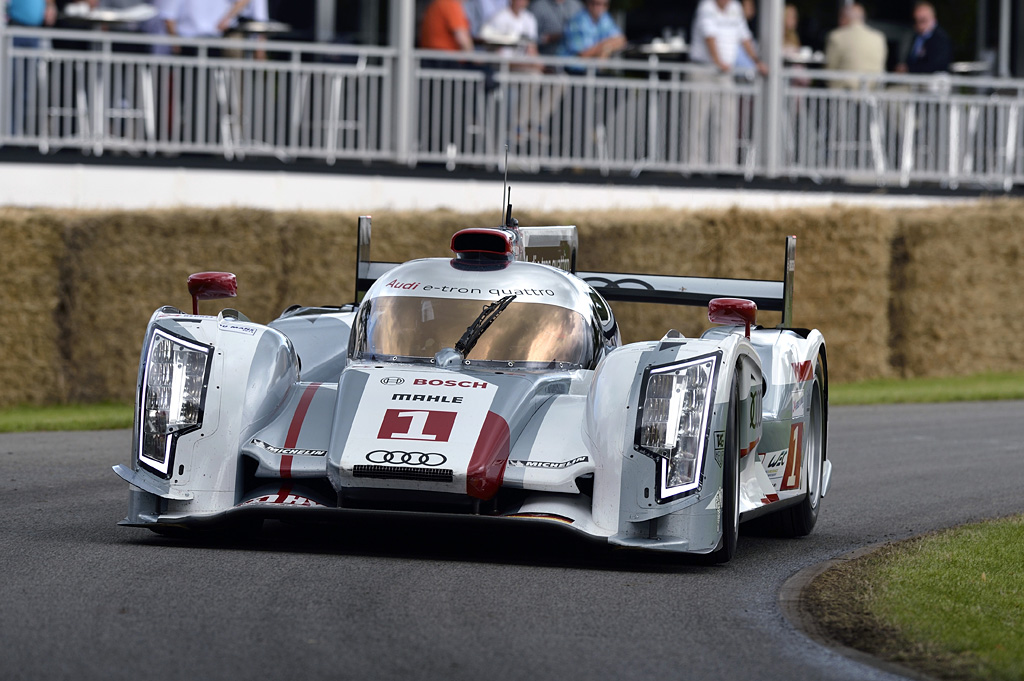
699 291
557 246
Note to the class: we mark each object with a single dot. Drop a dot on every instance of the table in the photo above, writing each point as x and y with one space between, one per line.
80 12
970 68
263 27
804 58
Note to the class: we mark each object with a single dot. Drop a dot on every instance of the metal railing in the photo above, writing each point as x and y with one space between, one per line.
101 91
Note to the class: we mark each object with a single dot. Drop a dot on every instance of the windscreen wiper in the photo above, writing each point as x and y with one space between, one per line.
480 324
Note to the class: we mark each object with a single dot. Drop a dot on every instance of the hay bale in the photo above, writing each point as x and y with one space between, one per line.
31 341
958 308
123 265
841 284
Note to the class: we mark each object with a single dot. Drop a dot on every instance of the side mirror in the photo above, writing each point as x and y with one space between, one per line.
733 311
211 286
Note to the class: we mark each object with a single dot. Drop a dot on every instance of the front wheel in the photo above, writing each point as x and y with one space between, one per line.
730 484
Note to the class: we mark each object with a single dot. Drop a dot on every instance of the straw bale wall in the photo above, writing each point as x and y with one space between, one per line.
894 292
961 303
30 294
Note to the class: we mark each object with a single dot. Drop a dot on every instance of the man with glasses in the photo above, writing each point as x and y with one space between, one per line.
932 49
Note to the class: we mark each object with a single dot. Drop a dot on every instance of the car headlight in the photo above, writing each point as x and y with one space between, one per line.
673 419
173 394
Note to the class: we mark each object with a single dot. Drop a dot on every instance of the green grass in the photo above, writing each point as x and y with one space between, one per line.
66 417
1008 386
958 598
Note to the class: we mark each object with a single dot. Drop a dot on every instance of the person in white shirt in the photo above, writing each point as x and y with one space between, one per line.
200 18
719 32
479 12
516 24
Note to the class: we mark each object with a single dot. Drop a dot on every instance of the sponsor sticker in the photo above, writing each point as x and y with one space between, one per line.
237 327
398 286
719 446
414 397
548 464
285 499
287 450
798 404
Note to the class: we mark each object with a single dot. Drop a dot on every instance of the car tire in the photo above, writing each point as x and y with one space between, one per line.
730 483
799 520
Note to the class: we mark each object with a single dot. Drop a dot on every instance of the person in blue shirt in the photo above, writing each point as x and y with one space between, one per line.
592 32
31 13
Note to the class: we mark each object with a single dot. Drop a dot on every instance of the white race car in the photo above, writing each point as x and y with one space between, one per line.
492 384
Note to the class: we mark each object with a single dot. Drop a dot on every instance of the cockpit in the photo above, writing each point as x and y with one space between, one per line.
407 319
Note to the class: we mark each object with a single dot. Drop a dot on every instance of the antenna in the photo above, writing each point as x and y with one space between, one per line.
504 189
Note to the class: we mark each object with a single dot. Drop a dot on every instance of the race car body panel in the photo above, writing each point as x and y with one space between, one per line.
479 385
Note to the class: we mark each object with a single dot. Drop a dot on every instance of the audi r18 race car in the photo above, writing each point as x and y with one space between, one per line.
494 384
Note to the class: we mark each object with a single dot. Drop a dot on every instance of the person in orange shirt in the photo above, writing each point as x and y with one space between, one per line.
445 26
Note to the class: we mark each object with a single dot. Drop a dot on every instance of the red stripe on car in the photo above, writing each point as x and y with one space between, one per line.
769 498
803 371
300 415
750 448
282 494
487 465
286 466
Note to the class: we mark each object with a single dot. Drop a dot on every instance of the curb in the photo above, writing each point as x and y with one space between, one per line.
791 602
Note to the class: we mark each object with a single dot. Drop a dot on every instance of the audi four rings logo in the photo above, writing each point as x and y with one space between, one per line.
392 380
406 458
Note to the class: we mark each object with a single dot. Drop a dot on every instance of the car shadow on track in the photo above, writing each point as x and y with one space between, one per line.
432 539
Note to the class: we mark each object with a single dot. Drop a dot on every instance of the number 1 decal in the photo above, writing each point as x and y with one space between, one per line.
791 478
433 426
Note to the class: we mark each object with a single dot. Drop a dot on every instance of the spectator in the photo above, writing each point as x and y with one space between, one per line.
31 13
790 31
719 31
932 49
479 12
445 26
552 17
592 32
515 23
854 46
743 60
200 18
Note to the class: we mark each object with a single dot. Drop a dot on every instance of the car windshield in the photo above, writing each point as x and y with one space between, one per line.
411 327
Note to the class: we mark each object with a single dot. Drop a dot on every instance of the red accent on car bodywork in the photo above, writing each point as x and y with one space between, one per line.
733 311
286 466
300 415
211 286
750 448
487 465
769 498
803 370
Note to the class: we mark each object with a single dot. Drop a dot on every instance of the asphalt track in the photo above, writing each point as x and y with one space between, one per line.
82 598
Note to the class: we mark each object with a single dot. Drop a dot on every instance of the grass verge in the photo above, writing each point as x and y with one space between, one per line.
950 604
66 417
1009 386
